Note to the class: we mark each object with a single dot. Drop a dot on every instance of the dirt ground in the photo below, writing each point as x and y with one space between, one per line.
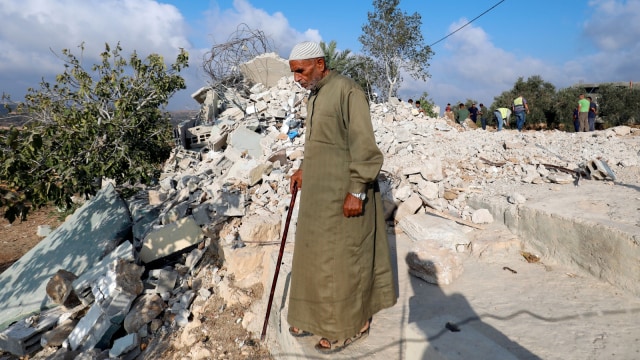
20 236
219 335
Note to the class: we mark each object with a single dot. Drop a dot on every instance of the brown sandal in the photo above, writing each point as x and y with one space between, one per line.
326 346
295 332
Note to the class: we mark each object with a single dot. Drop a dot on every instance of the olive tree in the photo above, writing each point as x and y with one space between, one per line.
105 122
394 39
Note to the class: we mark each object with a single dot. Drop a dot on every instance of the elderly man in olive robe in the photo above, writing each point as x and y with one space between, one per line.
341 272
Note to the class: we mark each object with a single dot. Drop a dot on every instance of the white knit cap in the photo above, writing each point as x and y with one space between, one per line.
306 50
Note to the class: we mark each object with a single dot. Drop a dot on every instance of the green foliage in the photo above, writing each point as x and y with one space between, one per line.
427 104
394 40
618 105
336 60
106 123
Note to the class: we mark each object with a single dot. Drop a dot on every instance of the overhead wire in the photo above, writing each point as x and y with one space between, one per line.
469 22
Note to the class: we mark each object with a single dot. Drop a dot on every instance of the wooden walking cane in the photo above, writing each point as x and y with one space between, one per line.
275 276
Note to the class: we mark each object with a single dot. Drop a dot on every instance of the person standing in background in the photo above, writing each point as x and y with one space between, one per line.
473 113
462 114
593 111
520 109
583 113
484 116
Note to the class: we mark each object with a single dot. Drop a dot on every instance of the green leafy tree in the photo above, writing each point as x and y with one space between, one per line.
366 72
618 105
337 60
394 39
106 123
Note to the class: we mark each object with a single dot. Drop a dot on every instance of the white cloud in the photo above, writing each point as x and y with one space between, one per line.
275 26
34 32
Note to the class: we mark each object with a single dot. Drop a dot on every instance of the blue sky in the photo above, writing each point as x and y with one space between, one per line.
563 41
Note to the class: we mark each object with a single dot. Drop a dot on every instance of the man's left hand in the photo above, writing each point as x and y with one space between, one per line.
352 206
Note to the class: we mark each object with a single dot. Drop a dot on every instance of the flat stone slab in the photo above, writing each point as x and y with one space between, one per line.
170 239
75 246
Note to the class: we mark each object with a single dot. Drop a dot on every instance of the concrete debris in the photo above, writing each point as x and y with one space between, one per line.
145 265
60 288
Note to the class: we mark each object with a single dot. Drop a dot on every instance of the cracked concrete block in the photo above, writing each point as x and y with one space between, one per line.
144 309
266 69
200 214
91 330
24 337
228 203
408 207
260 229
434 264
161 281
247 141
82 285
60 288
170 239
424 227
124 344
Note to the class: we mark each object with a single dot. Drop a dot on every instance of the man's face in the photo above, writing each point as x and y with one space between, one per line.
307 72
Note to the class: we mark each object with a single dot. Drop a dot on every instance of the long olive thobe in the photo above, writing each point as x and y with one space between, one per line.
341 272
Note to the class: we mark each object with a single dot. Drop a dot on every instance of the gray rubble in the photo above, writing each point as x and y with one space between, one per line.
224 192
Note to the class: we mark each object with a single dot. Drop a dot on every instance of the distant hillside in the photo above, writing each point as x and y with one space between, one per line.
6 108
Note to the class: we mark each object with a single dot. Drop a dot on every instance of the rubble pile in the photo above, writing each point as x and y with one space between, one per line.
223 196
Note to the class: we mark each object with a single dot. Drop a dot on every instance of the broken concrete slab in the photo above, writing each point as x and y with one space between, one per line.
171 238
59 288
161 281
144 309
94 328
424 227
82 285
266 69
247 141
434 264
23 337
124 344
74 246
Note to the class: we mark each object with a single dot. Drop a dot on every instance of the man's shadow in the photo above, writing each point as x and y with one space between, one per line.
453 329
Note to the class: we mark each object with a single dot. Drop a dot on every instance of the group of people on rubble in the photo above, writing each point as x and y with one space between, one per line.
502 114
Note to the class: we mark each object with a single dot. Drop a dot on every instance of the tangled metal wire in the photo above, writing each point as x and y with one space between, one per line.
222 62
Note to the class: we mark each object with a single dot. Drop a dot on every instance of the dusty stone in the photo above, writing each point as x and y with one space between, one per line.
60 288
434 264
482 216
260 229
56 336
408 207
450 195
43 230
516 198
144 309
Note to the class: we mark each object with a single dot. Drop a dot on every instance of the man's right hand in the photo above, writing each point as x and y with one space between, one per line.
296 179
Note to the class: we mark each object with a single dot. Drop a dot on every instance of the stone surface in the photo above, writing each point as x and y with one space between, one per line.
170 239
60 287
144 309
